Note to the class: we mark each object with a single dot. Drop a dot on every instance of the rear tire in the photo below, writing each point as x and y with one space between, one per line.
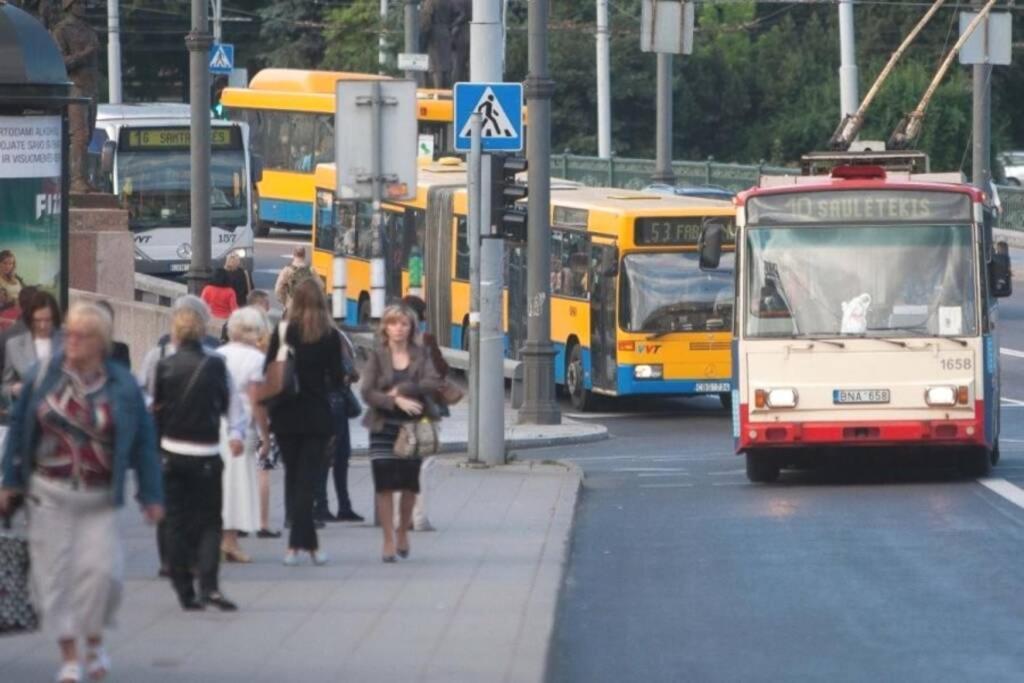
976 463
725 398
761 468
582 399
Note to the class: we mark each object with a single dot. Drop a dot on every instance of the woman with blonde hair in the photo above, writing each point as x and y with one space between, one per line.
79 425
248 330
302 423
398 381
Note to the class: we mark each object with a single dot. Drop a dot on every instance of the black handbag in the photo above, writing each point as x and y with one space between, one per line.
353 408
17 614
281 373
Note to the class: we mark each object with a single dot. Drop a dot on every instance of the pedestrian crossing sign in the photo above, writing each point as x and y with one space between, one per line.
501 108
222 58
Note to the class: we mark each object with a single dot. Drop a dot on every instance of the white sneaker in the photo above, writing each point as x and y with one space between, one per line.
423 525
291 559
319 557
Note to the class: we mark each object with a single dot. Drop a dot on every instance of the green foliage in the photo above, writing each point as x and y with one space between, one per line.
293 32
353 32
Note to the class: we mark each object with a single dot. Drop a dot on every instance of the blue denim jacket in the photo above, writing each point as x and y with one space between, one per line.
134 433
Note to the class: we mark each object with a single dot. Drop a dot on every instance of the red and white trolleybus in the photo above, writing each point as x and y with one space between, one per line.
865 318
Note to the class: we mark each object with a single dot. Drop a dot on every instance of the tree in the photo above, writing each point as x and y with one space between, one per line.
353 33
293 33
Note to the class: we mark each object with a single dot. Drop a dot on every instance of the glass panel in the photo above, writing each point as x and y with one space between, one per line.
326 226
668 292
302 141
462 250
155 188
355 220
324 140
875 281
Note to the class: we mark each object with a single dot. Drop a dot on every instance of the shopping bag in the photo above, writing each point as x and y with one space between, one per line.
17 615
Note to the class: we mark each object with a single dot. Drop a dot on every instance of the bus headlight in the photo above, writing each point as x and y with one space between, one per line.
775 398
946 396
240 253
647 372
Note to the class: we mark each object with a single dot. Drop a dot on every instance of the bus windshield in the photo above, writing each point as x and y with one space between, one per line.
664 292
155 187
879 281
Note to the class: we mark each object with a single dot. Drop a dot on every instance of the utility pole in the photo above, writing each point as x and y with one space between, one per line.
381 44
604 105
981 115
218 8
198 42
848 97
473 236
539 405
486 66
114 52
412 36
663 139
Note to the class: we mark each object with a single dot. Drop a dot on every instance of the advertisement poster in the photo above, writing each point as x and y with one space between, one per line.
30 211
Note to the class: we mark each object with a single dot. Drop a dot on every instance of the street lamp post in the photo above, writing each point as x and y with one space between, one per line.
198 42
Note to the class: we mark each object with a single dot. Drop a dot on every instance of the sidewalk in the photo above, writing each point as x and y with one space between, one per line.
474 602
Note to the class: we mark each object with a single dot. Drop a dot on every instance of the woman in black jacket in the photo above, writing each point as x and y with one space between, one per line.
304 424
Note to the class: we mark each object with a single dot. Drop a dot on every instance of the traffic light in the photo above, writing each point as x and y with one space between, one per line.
508 217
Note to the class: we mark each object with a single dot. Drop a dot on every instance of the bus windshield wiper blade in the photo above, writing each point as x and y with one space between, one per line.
824 340
915 332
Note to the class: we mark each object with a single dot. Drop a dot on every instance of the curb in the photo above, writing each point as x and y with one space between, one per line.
521 443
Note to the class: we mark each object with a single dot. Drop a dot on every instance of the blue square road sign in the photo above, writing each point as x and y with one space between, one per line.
222 58
500 105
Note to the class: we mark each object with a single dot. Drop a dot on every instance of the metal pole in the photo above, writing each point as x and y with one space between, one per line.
539 405
113 52
848 97
473 236
604 105
378 276
218 7
198 42
486 51
412 37
981 118
381 43
663 146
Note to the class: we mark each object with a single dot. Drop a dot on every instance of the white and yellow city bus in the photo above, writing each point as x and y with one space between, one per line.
865 317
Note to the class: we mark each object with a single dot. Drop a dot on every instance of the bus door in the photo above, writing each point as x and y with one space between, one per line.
393 243
604 284
515 279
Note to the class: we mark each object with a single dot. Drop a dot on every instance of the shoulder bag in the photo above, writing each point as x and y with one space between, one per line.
353 408
417 439
282 383
17 615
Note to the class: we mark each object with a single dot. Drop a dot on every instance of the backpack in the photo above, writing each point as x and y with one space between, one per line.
298 274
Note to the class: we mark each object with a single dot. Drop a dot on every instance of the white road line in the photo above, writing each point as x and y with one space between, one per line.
1014 353
666 486
1011 402
1006 440
649 469
663 474
727 472
270 240
1010 492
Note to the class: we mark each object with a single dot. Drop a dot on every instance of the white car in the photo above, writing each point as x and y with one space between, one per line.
1013 167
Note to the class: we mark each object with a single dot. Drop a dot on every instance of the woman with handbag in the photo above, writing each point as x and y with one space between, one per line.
303 362
345 406
80 423
398 384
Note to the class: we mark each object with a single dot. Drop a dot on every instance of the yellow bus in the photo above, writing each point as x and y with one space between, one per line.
290 113
632 313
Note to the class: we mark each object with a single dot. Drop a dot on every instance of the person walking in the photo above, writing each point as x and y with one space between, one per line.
398 382
193 391
291 275
238 278
38 343
219 295
268 456
248 328
340 448
78 426
302 423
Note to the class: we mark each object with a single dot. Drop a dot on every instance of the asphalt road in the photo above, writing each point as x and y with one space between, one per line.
680 570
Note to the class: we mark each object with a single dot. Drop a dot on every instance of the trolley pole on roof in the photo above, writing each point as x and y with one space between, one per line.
198 42
848 95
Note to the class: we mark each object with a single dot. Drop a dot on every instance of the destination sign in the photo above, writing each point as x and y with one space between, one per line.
859 206
677 230
176 138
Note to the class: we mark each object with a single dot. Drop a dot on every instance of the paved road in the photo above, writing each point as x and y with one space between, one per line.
682 571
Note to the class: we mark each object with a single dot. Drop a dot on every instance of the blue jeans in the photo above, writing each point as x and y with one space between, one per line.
338 460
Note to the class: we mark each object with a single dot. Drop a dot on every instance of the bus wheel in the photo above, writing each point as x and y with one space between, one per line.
975 463
580 397
363 314
725 398
761 468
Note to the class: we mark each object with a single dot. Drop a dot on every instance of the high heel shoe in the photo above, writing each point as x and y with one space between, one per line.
403 553
232 555
388 559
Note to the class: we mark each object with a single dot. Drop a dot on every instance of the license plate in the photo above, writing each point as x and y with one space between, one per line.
712 387
861 396
179 267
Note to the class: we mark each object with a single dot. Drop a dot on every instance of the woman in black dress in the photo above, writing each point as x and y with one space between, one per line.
397 383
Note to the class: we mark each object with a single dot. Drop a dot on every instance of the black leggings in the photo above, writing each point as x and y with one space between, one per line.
192 528
303 458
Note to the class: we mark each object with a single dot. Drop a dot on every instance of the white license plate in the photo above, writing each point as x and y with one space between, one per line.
861 396
179 267
712 387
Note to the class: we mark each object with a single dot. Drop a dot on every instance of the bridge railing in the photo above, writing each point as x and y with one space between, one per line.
635 174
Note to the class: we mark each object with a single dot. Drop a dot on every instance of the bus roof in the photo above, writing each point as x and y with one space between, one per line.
151 114
307 80
887 180
617 200
437 173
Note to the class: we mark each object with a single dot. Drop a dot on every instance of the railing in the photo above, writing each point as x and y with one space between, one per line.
635 174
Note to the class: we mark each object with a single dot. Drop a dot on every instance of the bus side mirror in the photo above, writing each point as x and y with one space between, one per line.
710 245
256 168
107 157
1000 273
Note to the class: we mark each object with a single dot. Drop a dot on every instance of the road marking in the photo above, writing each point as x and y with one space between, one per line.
666 486
1012 493
1014 353
1011 402
741 470
649 469
663 474
270 240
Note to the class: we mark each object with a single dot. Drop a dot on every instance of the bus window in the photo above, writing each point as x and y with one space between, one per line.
668 292
302 142
462 250
570 259
355 219
324 140
326 222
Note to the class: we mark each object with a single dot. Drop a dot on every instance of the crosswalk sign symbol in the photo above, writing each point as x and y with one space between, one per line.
222 58
500 106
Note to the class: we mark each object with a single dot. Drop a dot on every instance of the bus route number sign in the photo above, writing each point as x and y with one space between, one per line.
675 231
173 138
859 206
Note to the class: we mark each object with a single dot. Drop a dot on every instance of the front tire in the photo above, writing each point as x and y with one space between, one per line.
761 468
582 399
725 398
976 463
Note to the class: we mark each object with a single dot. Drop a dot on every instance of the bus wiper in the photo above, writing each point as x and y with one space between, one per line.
823 340
914 332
